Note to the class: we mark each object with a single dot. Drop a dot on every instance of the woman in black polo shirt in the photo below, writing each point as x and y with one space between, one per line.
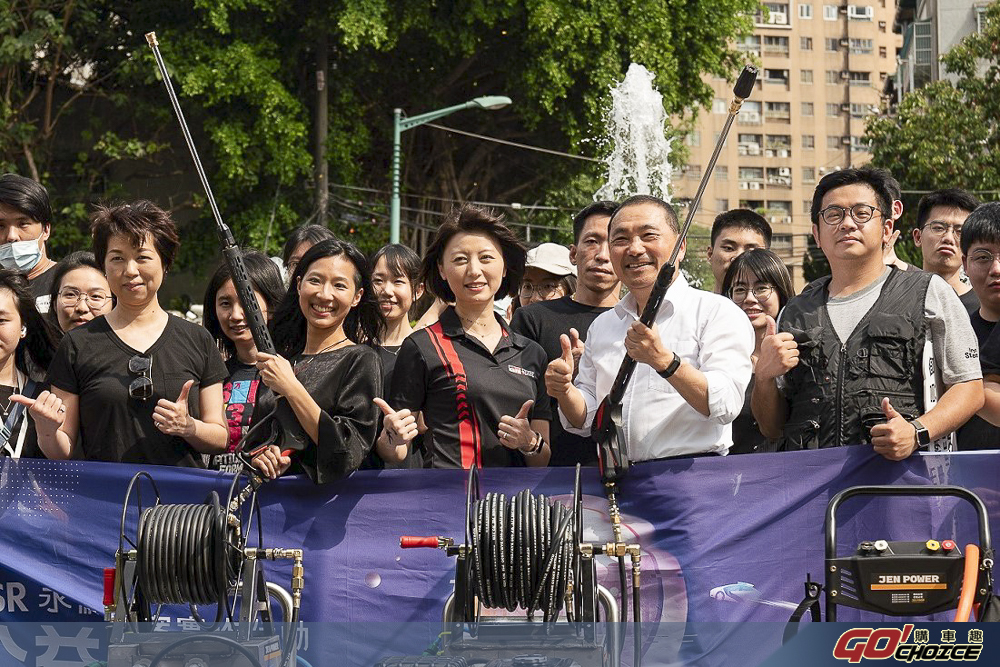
478 385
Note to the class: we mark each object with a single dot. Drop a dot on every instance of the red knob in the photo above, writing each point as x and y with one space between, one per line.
109 586
413 542
948 545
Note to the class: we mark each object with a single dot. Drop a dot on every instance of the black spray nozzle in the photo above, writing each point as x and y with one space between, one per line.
744 84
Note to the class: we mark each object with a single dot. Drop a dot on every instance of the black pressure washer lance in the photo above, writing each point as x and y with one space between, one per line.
199 554
607 431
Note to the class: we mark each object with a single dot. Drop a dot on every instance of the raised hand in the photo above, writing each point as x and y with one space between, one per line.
896 438
516 432
47 411
559 372
172 417
779 353
400 427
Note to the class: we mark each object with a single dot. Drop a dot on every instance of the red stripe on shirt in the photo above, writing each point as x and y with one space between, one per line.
470 442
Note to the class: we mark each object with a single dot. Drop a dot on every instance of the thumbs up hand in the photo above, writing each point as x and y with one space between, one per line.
779 353
559 373
896 439
516 432
172 417
400 427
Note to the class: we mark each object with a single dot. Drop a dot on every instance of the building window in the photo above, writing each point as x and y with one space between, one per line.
808 141
775 46
750 113
832 44
779 76
832 76
980 18
862 47
721 205
805 11
832 109
858 13
749 44
860 78
807 108
694 138
778 111
752 174
807 206
858 144
719 106
806 76
808 176
860 110
694 172
782 242
883 52
829 12
722 173
833 143
806 43
777 13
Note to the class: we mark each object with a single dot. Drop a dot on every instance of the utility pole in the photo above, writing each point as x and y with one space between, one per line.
321 170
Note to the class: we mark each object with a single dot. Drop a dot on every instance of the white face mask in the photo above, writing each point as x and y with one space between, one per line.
20 255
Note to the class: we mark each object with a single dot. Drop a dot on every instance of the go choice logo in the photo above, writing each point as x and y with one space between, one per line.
883 643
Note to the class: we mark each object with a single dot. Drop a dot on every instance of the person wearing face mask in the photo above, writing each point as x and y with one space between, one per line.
25 224
227 322
758 282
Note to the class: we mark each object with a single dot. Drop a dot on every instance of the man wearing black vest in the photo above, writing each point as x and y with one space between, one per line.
846 366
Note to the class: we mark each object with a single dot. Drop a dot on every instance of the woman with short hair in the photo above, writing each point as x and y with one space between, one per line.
137 385
478 385
80 292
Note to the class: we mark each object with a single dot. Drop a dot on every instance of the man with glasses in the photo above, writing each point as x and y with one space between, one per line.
938 233
544 321
981 259
846 366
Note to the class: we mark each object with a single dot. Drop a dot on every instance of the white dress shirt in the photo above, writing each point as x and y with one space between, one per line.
708 331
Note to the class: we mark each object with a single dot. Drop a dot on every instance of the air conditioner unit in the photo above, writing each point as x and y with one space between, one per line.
753 149
845 42
845 107
768 153
785 171
787 220
741 150
783 152
774 220
755 186
845 74
845 140
777 18
843 10
744 185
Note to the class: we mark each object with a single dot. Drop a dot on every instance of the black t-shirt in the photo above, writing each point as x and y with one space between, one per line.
463 390
344 384
747 438
970 301
239 395
543 322
41 289
977 433
93 363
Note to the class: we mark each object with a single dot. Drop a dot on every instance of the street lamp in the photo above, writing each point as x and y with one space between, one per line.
400 125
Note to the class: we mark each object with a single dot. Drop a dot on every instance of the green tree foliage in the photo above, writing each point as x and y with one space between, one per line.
83 110
946 134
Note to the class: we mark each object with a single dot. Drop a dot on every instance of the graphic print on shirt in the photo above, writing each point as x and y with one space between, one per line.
239 395
468 424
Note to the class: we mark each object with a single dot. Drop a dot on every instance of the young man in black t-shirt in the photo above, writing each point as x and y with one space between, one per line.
981 259
25 224
544 322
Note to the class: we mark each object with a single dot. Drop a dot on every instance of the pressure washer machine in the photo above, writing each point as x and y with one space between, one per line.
525 553
198 555
904 578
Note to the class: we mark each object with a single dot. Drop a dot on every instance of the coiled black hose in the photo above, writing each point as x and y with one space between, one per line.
183 556
521 555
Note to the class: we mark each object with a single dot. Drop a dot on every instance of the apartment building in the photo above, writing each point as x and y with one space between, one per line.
823 67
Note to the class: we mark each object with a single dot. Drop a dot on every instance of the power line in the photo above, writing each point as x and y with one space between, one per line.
538 149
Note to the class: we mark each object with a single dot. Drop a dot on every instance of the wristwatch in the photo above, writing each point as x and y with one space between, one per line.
671 368
923 438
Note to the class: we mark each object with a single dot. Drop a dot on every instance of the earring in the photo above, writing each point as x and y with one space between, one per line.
24 331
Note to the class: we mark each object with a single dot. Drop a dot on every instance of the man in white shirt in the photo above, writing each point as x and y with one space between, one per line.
694 363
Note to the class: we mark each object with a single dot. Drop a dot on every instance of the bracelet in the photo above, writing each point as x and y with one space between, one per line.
536 446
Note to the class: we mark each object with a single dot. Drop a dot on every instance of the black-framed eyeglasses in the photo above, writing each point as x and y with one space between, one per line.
760 292
860 213
141 388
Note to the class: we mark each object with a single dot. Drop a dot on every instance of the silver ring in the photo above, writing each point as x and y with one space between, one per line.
62 408
503 435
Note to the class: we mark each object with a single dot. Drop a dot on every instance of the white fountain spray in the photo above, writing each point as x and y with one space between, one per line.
635 124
